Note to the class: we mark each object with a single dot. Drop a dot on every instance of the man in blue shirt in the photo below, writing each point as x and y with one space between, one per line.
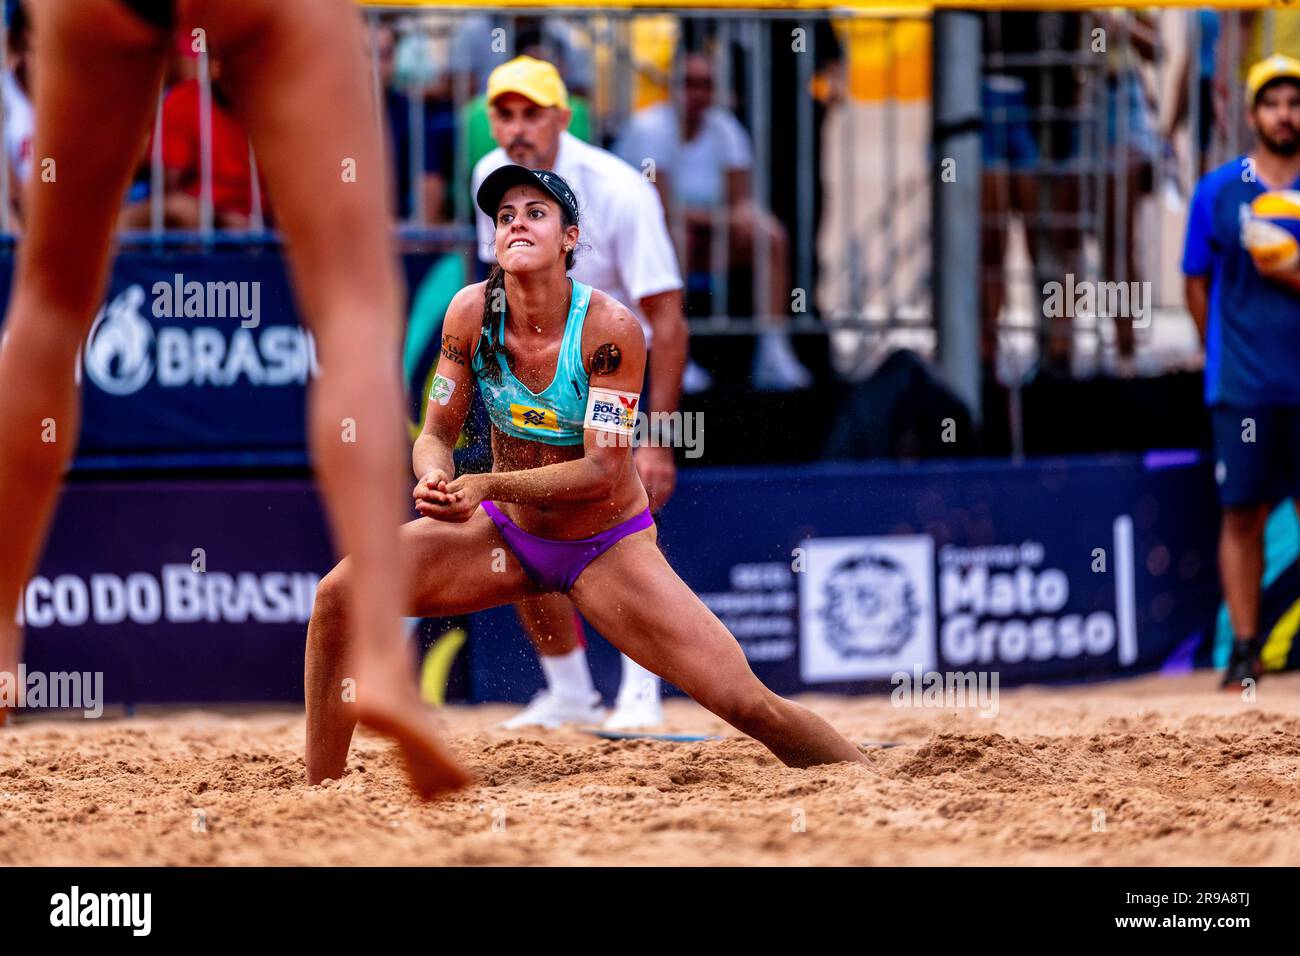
1249 320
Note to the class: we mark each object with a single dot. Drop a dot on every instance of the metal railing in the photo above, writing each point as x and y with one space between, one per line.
1129 172
863 263
606 36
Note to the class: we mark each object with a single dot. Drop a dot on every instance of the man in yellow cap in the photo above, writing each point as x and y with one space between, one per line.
626 252
1247 308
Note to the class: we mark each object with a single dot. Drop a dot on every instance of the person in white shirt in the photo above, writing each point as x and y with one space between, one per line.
626 251
703 160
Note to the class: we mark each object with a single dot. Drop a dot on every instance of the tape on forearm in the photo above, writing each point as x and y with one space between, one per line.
612 411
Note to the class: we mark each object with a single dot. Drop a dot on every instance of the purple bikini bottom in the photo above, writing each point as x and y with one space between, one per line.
555 565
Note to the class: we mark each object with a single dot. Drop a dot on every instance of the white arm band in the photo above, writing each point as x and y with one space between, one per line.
612 411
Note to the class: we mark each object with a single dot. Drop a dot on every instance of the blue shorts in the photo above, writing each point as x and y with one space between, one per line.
1265 470
1008 139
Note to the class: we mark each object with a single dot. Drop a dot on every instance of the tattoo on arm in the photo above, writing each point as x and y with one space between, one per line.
451 349
605 360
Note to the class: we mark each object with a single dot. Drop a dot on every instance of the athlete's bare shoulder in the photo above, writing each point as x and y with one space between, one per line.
612 340
469 300
608 319
465 311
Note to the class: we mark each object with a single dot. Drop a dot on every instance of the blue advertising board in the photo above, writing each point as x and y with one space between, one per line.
180 591
199 359
832 578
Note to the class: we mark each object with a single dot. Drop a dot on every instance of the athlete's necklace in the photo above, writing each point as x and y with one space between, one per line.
537 328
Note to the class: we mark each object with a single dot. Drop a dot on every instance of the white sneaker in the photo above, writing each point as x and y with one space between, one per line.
549 711
776 368
637 712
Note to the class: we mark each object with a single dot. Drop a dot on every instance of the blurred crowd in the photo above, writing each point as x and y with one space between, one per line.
430 76
1096 126
1078 137
673 98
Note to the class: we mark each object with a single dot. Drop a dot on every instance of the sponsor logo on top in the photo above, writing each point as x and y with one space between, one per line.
130 345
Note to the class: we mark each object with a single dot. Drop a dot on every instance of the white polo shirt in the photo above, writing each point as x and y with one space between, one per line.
623 247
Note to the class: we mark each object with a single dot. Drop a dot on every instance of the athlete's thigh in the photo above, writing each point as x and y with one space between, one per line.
299 82
458 568
637 601
97 76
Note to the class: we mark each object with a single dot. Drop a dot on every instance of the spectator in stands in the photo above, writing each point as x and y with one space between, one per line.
1023 138
182 144
19 120
1132 151
1209 117
702 164
438 119
182 66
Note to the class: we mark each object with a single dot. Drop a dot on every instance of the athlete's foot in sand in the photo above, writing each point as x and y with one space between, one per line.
395 710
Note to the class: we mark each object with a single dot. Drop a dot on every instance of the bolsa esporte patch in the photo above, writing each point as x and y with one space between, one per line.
609 410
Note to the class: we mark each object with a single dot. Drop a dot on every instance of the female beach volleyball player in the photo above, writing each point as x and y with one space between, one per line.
559 366
296 75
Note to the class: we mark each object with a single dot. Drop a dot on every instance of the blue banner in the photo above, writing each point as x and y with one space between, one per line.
195 591
199 358
832 578
196 353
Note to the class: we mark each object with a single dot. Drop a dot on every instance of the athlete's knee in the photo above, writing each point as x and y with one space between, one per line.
50 316
360 351
329 608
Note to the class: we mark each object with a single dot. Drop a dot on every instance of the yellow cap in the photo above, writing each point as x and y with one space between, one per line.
1267 70
536 79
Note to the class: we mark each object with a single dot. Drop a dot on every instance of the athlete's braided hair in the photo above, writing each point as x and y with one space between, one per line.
494 320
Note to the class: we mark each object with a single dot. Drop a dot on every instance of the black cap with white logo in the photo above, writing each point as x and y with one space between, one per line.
502 180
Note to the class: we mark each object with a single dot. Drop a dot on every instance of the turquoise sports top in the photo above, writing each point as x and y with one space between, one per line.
555 414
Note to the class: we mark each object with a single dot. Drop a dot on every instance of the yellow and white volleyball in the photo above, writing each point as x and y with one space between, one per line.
1271 234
